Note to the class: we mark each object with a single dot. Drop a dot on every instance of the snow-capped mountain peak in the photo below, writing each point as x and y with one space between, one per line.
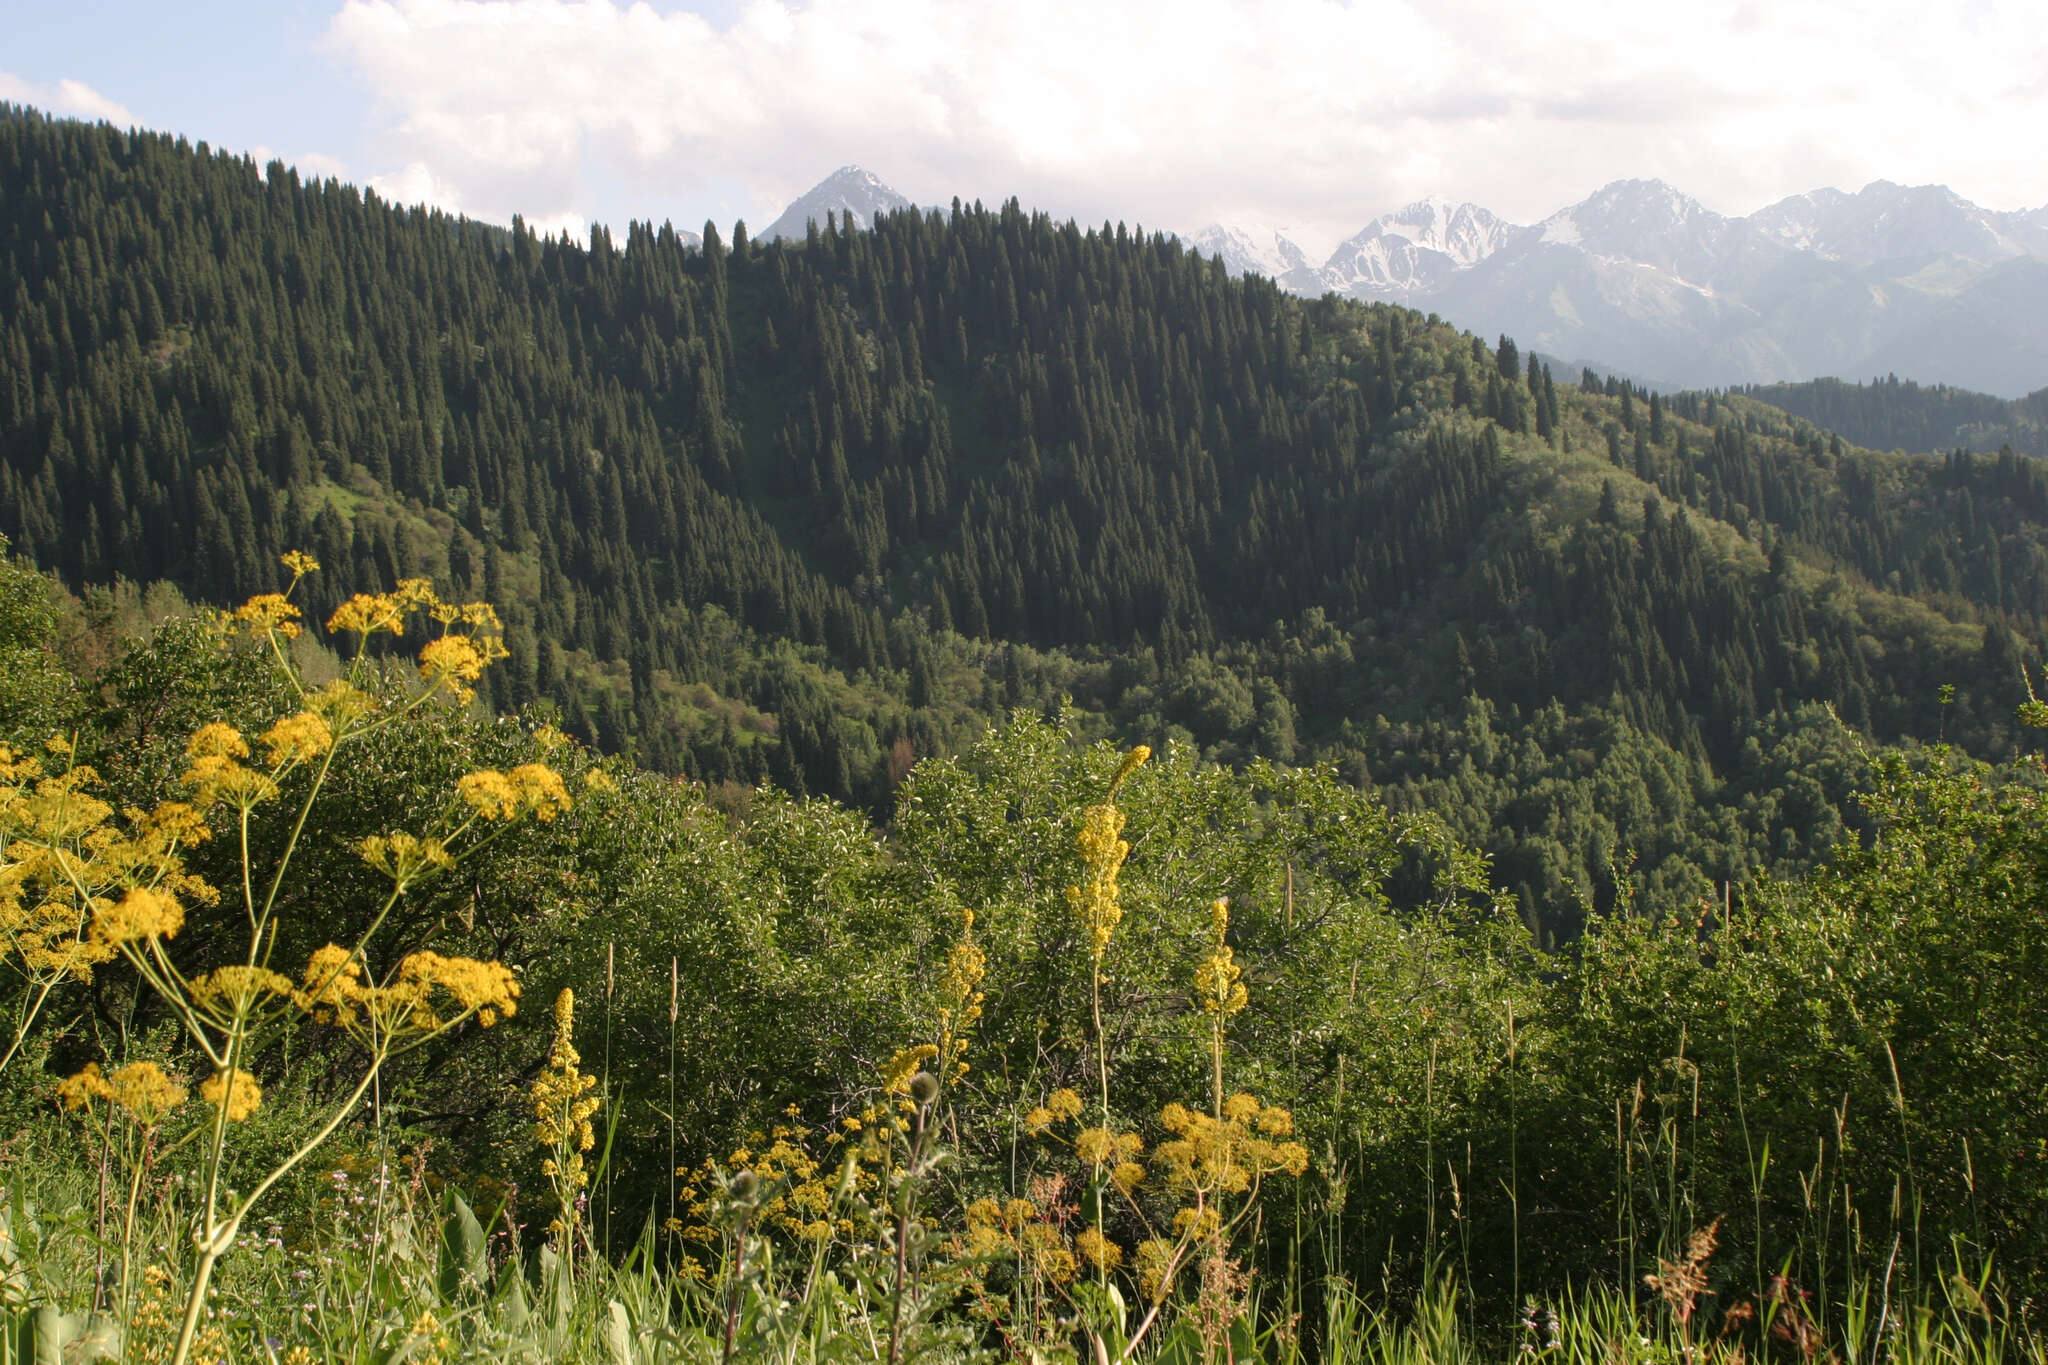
1417 247
848 192
1250 249
1885 221
1642 221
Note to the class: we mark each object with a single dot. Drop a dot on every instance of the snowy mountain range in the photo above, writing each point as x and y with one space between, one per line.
1641 279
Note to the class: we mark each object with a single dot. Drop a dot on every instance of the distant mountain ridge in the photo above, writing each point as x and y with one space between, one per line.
1643 279
1640 276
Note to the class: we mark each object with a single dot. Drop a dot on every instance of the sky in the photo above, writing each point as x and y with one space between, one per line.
1308 115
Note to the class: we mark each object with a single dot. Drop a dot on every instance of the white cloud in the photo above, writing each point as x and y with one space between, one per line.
417 184
73 98
1175 112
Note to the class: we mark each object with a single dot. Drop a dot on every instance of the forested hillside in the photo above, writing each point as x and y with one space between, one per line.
1898 414
808 511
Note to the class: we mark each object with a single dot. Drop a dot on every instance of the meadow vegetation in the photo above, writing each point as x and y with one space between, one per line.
1086 1053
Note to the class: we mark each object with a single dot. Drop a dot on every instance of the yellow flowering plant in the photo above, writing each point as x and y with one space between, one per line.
70 871
562 1110
1201 1183
78 888
1096 901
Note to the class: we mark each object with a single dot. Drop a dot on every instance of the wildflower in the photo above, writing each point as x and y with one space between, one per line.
1095 1145
541 790
1231 1154
457 661
559 1106
172 822
1156 1263
1103 853
531 787
143 913
216 739
490 793
403 857
1098 1250
486 989
600 781
145 1091
80 1090
230 985
297 739
898 1070
268 614
333 986
1216 977
340 704
234 1092
960 997
300 563
365 614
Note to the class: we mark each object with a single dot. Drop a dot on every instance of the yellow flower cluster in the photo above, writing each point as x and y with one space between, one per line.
299 738
403 857
267 613
960 997
1100 1148
334 988
227 989
1156 1263
1103 851
1217 1156
562 1104
73 886
533 787
1102 855
1015 1230
1118 1152
1060 1104
471 639
897 1071
140 1089
234 1092
486 989
143 913
1216 976
215 773
459 660
798 1201
335 992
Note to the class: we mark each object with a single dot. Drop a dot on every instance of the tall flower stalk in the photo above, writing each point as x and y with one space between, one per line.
562 1108
1095 900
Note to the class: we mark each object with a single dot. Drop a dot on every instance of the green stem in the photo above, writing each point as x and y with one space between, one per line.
1101 1042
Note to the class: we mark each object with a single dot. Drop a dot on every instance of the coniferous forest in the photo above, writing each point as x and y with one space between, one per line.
1609 788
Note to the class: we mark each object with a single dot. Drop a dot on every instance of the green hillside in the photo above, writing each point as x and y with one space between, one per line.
808 511
1898 414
